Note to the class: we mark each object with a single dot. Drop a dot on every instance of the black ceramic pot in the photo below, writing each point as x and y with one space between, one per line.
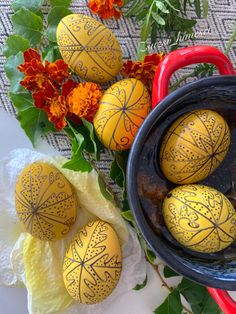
217 93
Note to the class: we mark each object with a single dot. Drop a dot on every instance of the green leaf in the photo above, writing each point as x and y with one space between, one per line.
118 170
51 53
39 13
32 5
125 204
193 292
154 33
171 5
54 17
104 189
34 122
205 7
142 285
91 143
21 101
197 8
78 136
15 44
28 24
158 19
132 9
150 255
161 6
65 3
210 306
168 272
78 162
146 28
128 215
182 24
90 128
171 305
13 74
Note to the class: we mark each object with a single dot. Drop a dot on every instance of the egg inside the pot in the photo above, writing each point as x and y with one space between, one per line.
122 110
45 201
200 218
93 263
89 48
194 146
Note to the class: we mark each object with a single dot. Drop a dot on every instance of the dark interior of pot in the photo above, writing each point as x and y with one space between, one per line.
147 187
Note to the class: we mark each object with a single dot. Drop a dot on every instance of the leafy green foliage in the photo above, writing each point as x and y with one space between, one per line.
203 70
32 5
91 144
198 297
104 189
118 170
65 3
128 215
171 305
51 53
90 128
205 7
54 17
142 285
197 4
155 16
28 25
168 272
21 101
15 44
78 162
33 120
151 257
193 292
13 75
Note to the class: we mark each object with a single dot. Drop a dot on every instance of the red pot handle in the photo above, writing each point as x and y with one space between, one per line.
181 58
224 300
173 62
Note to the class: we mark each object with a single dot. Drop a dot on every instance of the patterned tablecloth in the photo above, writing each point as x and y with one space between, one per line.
215 30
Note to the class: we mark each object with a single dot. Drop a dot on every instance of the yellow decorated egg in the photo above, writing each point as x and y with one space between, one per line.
194 146
45 201
93 262
89 47
200 218
122 110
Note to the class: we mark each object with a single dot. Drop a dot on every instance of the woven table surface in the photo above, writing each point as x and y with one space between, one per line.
215 30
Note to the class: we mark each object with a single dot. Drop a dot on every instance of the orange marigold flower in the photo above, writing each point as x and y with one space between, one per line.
84 99
57 71
106 8
54 103
143 70
57 111
36 74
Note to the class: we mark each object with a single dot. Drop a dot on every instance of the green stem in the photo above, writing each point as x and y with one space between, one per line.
101 174
183 79
164 284
145 31
142 50
231 41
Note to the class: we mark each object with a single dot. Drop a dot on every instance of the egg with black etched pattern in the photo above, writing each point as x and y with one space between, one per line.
122 110
200 218
45 201
89 48
93 263
194 146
